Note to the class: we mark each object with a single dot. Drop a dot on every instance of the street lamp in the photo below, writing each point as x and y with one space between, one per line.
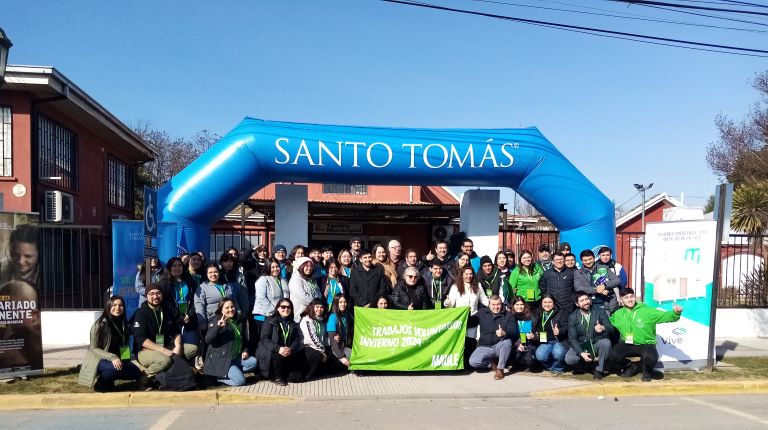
643 189
5 46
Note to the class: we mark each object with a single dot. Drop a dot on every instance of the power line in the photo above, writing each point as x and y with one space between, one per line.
711 47
623 16
709 15
685 6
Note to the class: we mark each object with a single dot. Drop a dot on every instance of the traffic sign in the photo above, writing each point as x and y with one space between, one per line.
150 212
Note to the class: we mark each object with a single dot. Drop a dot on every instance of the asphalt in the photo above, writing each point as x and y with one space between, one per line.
400 385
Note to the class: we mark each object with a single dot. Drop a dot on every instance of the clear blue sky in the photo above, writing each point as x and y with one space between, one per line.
623 112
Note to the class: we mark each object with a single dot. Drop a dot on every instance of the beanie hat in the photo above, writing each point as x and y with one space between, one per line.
153 287
485 259
277 248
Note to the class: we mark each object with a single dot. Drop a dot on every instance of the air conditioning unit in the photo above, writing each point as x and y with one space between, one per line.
59 207
441 232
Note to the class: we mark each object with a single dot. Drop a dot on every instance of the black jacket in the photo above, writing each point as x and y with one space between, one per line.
366 285
578 337
219 342
272 339
145 326
445 286
170 301
489 323
559 284
402 296
555 318
491 283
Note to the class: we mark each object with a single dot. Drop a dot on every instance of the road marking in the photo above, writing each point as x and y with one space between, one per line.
655 404
166 420
727 410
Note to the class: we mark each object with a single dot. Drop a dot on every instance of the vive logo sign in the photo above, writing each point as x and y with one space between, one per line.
677 339
380 154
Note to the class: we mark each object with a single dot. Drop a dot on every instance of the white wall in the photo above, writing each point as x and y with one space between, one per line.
741 323
480 220
291 215
67 328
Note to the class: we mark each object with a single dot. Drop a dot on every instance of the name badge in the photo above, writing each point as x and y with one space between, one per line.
543 337
530 294
125 352
630 339
183 308
160 339
438 305
523 338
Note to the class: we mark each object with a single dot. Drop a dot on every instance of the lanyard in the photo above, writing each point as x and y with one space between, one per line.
585 321
160 321
335 289
221 290
317 329
121 331
344 325
491 281
347 271
437 288
180 291
546 317
520 325
234 328
312 288
285 333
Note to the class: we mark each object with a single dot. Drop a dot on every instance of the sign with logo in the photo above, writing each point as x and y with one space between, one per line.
387 339
150 212
678 270
21 342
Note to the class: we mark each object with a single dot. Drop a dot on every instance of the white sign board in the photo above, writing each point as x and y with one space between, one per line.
679 260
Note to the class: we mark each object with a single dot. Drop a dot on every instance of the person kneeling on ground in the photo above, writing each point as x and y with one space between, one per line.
227 354
497 329
316 349
280 346
636 323
109 357
589 330
157 335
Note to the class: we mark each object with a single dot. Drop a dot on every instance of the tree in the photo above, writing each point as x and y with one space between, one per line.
741 153
741 156
173 155
750 208
710 205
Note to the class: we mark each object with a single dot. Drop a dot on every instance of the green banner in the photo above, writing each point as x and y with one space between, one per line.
387 339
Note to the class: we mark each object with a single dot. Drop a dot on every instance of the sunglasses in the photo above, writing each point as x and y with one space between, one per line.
284 307
411 276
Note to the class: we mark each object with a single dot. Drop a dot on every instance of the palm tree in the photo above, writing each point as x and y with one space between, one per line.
750 208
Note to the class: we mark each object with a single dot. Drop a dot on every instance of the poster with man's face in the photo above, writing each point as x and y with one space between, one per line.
21 350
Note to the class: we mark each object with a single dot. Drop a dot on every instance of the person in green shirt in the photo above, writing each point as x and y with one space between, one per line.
524 281
636 323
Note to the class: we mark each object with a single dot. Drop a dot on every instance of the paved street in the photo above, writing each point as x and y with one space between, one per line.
702 412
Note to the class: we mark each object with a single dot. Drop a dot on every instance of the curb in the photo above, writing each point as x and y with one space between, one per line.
620 389
135 399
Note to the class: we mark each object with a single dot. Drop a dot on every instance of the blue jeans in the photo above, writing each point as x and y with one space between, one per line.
551 355
235 377
109 374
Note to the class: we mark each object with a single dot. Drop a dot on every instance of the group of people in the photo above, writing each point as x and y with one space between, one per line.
289 317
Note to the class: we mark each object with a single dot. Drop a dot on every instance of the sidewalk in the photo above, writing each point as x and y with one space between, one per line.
70 356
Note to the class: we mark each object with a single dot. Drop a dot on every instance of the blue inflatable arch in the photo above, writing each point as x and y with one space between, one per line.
259 152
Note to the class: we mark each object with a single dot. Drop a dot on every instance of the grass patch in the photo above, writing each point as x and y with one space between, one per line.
61 380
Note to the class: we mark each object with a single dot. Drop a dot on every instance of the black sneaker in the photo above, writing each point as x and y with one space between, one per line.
280 382
597 375
629 371
647 378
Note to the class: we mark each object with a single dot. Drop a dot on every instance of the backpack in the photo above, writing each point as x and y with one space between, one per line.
178 377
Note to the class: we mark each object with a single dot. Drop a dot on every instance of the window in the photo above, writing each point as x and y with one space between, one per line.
119 183
6 141
57 149
345 189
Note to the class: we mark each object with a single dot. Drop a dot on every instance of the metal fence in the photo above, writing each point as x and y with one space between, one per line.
743 277
223 239
70 267
628 252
